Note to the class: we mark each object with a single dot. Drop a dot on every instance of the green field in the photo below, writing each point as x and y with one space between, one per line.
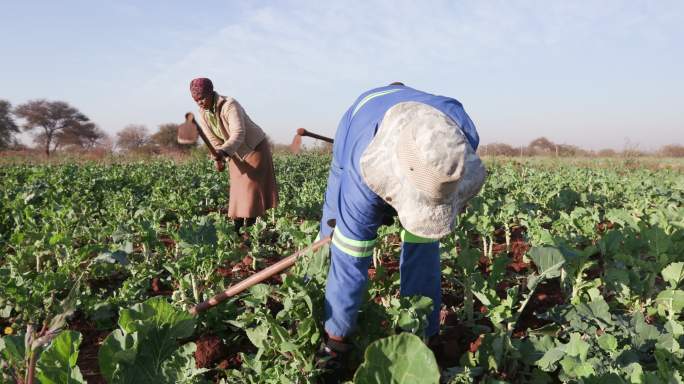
557 272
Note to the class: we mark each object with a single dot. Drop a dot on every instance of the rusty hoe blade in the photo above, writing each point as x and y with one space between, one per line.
187 132
296 145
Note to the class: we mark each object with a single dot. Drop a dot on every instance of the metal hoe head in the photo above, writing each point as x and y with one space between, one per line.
296 145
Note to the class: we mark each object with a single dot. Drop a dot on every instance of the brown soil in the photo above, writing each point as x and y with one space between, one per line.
90 346
168 242
231 356
159 287
546 295
242 269
209 350
109 284
454 340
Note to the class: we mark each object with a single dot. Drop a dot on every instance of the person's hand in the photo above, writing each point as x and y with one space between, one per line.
222 153
220 165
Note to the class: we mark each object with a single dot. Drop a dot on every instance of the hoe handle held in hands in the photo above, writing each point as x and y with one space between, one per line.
304 132
207 142
256 278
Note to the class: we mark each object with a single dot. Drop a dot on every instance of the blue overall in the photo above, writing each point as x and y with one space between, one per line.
359 212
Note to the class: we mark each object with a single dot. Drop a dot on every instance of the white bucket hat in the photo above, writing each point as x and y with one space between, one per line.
421 164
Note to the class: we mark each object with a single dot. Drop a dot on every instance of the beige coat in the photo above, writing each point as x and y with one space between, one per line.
241 133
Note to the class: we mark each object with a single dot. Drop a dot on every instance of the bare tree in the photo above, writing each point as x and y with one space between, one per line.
52 117
7 125
497 149
606 152
133 138
672 150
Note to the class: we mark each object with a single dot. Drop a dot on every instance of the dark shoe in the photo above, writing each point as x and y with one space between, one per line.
332 358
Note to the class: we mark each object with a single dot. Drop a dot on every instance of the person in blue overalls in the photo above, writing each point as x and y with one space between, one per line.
397 152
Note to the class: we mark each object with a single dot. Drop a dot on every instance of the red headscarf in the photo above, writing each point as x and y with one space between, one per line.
201 87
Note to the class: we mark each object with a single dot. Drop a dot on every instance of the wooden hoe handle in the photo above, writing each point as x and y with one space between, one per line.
206 140
256 278
304 132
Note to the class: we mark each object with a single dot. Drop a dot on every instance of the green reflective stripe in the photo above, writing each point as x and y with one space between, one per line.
408 237
357 243
372 96
356 248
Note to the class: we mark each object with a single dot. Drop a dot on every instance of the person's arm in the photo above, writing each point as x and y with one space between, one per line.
233 114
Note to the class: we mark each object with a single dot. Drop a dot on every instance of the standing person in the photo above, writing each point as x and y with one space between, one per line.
397 151
243 143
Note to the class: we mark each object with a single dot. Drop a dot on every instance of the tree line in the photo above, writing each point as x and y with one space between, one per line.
545 147
56 125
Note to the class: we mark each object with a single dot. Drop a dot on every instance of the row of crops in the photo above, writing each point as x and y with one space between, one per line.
556 273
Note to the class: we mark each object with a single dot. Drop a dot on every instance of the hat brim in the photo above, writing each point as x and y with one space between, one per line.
381 170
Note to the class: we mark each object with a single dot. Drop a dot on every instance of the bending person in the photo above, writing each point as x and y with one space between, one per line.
398 152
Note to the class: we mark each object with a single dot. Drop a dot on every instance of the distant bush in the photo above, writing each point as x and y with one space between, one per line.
672 150
606 152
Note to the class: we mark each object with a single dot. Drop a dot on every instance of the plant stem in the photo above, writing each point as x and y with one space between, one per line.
195 291
508 238
468 301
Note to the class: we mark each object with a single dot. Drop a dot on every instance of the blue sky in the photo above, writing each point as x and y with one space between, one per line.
599 74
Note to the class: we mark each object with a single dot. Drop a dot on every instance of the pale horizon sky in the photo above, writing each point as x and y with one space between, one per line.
597 74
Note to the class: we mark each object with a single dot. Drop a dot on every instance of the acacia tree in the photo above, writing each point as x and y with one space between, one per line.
7 125
542 145
83 136
133 138
52 118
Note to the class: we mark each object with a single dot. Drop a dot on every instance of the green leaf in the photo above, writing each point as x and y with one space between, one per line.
597 310
675 328
57 363
112 257
398 359
181 367
673 274
576 367
146 342
577 347
672 298
608 342
548 260
622 217
258 335
157 313
118 349
548 361
6 311
634 373
12 349
644 333
259 293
